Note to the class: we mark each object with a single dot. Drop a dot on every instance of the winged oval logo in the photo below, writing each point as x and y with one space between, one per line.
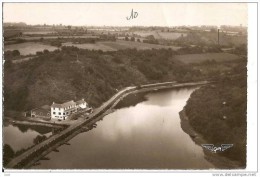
214 149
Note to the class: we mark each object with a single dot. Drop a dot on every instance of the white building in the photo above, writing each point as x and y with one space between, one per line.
62 111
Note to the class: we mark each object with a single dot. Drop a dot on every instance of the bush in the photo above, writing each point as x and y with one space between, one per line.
39 139
8 63
16 53
56 43
45 51
39 53
117 60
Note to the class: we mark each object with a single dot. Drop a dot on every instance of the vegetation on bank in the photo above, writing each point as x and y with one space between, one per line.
218 112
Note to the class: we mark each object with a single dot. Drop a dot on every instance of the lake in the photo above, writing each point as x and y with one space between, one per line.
146 135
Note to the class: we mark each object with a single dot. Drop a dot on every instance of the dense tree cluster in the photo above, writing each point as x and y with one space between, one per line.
218 112
151 40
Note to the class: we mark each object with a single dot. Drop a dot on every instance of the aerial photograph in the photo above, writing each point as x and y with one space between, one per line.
112 86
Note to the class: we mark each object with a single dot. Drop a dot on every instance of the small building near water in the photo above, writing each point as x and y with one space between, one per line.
43 112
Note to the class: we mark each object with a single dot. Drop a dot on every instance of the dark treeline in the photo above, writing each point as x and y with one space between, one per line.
62 39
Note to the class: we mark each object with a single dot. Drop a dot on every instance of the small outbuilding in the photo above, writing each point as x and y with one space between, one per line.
81 104
43 112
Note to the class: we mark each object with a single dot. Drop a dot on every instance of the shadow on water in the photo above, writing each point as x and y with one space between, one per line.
134 99
37 128
131 100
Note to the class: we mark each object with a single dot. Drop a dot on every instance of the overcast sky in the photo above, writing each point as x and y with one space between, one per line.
114 14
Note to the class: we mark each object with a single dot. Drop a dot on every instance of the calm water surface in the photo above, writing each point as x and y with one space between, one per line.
145 136
22 136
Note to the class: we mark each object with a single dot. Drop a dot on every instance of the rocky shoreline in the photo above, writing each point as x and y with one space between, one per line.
220 162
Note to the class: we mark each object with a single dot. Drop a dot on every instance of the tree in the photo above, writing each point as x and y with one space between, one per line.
45 51
138 40
150 37
39 139
39 53
132 39
8 154
8 63
126 38
56 43
16 53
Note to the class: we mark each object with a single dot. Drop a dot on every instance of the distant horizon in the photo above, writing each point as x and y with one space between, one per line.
122 26
118 14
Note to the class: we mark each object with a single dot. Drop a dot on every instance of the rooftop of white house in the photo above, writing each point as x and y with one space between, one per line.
68 104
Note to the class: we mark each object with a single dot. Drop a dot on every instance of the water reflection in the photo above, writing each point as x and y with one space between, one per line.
165 98
21 136
147 136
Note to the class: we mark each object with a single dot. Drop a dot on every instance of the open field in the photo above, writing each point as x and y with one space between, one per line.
117 45
197 58
29 47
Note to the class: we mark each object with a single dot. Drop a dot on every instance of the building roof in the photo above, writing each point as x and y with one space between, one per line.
63 105
82 101
44 107
41 110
